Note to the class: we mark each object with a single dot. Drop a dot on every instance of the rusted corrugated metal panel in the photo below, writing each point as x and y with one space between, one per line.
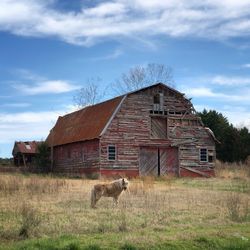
27 147
82 125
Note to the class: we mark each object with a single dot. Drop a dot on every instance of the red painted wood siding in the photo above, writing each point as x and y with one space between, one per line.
79 157
131 129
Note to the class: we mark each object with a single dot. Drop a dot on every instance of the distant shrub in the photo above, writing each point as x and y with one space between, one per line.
42 158
30 219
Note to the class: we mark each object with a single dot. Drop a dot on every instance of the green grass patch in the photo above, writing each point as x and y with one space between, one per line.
109 241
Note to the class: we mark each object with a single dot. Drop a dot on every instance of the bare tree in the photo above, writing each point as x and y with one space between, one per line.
143 76
136 78
90 94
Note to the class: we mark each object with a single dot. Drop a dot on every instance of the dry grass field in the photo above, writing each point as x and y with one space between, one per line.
44 212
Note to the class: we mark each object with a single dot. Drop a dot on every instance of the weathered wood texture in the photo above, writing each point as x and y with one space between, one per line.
174 127
78 158
149 138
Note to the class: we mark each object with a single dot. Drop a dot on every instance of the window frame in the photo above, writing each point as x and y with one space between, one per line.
200 154
108 152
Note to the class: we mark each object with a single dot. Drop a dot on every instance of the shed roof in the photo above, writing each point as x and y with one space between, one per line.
25 147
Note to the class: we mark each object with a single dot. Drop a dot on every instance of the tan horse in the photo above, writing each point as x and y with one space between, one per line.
113 189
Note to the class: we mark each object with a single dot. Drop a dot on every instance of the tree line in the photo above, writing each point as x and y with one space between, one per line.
234 143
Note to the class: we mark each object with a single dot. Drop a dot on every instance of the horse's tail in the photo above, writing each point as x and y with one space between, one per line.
93 198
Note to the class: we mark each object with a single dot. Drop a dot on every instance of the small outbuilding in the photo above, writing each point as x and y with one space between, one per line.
151 131
24 152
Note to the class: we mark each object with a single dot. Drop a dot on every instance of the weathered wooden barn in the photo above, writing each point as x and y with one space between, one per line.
151 131
24 152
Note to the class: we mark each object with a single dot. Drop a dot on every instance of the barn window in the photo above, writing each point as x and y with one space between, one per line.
157 99
203 155
111 153
158 103
158 128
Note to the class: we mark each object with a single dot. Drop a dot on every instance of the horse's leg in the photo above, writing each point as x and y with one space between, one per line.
115 199
95 198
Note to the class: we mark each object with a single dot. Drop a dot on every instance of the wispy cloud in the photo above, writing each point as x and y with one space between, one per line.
25 125
247 65
127 18
221 88
51 87
36 84
15 105
230 80
28 125
115 54
219 95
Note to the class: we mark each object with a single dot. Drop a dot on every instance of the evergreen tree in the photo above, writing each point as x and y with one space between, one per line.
234 143
42 157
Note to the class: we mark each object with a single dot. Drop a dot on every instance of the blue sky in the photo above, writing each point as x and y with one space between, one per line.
49 48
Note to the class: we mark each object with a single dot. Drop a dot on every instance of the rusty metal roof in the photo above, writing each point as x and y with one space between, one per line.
88 123
84 124
26 147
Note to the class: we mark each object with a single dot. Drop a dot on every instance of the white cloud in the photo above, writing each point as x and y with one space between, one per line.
36 84
27 117
201 92
16 105
115 54
52 87
105 9
25 126
28 125
231 80
212 19
227 95
247 65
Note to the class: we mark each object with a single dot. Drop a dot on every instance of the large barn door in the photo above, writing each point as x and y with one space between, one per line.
148 161
168 161
158 161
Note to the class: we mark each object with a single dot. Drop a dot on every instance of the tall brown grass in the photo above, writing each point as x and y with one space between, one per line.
232 170
40 206
10 184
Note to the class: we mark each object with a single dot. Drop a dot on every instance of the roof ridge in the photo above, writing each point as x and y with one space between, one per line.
90 106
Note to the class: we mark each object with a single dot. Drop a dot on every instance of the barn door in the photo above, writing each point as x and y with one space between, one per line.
158 161
148 161
171 165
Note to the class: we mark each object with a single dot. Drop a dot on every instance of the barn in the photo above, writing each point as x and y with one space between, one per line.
151 131
24 152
